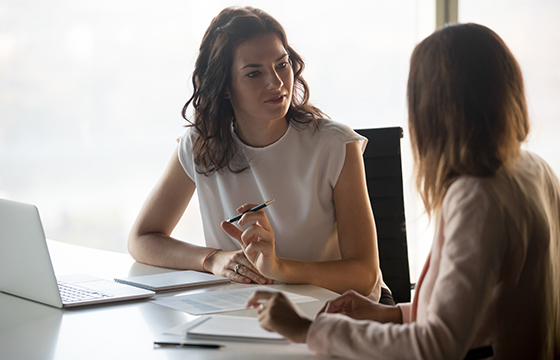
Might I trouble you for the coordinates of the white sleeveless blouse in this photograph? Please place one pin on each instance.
(299, 171)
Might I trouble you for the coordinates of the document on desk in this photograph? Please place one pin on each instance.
(219, 301)
(226, 327)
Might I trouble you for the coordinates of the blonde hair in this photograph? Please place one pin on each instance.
(466, 108)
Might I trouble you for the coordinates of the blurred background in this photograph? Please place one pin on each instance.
(91, 93)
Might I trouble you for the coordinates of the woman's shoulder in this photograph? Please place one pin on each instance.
(534, 164)
(334, 127)
(186, 143)
(480, 191)
(188, 137)
(528, 168)
(509, 187)
(190, 132)
(337, 130)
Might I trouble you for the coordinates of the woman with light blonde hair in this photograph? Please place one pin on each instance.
(490, 287)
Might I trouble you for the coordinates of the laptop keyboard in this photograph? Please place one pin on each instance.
(70, 293)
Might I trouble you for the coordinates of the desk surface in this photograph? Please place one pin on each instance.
(125, 330)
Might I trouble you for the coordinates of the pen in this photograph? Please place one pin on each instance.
(256, 208)
(183, 344)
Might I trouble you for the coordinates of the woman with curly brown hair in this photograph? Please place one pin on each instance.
(253, 136)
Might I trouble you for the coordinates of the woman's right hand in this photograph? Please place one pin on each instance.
(222, 263)
(359, 307)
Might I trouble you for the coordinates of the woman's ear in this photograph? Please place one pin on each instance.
(227, 94)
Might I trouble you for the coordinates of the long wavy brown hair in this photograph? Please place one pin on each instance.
(467, 113)
(214, 147)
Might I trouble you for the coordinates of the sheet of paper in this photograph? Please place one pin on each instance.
(219, 301)
(241, 328)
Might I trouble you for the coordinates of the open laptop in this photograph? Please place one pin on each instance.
(26, 269)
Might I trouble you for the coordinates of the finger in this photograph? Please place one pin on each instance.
(282, 297)
(256, 247)
(329, 308)
(255, 233)
(245, 207)
(247, 263)
(257, 277)
(242, 259)
(324, 308)
(232, 231)
(233, 276)
(335, 306)
(256, 216)
(258, 297)
(246, 272)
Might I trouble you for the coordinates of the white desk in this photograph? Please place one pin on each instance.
(125, 330)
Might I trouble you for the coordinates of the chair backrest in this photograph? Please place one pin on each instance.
(382, 160)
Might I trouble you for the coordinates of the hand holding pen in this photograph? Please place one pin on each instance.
(256, 208)
(257, 240)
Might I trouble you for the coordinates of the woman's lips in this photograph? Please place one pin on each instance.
(276, 99)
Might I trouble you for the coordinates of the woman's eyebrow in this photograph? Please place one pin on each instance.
(259, 65)
(281, 57)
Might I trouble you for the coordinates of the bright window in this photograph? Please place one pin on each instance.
(531, 30)
(91, 93)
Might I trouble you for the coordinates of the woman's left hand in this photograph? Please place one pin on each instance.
(257, 240)
(278, 313)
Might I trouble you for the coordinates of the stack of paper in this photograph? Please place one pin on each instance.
(219, 301)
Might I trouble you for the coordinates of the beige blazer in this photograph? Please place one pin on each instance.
(491, 280)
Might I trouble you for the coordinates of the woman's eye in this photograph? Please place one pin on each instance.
(283, 65)
(253, 74)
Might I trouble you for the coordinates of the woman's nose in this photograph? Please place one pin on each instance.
(274, 81)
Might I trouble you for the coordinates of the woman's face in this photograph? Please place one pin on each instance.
(261, 80)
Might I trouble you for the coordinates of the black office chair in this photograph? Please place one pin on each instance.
(382, 160)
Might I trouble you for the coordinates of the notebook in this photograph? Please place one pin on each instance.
(26, 269)
(175, 280)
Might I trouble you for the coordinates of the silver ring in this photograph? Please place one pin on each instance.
(236, 268)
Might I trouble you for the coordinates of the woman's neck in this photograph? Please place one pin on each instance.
(261, 134)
